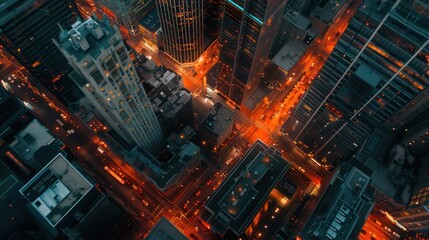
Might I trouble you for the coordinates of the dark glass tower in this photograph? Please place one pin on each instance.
(182, 29)
(126, 13)
(27, 30)
(377, 71)
(246, 35)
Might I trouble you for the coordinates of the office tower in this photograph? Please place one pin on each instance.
(416, 217)
(246, 35)
(126, 13)
(104, 72)
(376, 72)
(212, 17)
(241, 199)
(343, 209)
(182, 29)
(27, 28)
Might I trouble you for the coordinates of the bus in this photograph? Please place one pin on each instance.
(114, 175)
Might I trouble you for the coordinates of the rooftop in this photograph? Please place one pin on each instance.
(10, 107)
(166, 76)
(218, 119)
(297, 19)
(31, 139)
(239, 198)
(167, 104)
(151, 21)
(288, 55)
(162, 171)
(165, 230)
(327, 9)
(56, 189)
(88, 37)
(368, 76)
(344, 206)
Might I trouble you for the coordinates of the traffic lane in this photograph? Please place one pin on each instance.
(46, 115)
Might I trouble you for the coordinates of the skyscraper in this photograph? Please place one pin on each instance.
(246, 35)
(182, 29)
(377, 69)
(344, 207)
(125, 12)
(27, 27)
(105, 73)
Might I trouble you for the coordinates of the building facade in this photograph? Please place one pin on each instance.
(105, 73)
(125, 12)
(377, 69)
(27, 28)
(182, 29)
(246, 35)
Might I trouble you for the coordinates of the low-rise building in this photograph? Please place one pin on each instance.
(163, 75)
(35, 146)
(168, 169)
(216, 127)
(237, 201)
(326, 13)
(174, 109)
(165, 230)
(65, 202)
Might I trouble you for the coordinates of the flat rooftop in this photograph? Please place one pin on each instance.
(327, 9)
(288, 55)
(239, 198)
(297, 19)
(56, 189)
(218, 119)
(370, 77)
(151, 21)
(165, 230)
(31, 139)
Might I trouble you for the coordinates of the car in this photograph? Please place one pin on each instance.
(70, 131)
(396, 235)
(100, 150)
(196, 212)
(59, 122)
(387, 229)
(262, 117)
(185, 206)
(363, 231)
(274, 114)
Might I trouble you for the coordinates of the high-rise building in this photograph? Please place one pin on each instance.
(126, 13)
(27, 27)
(105, 73)
(241, 199)
(377, 69)
(345, 206)
(212, 17)
(416, 217)
(246, 36)
(182, 29)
